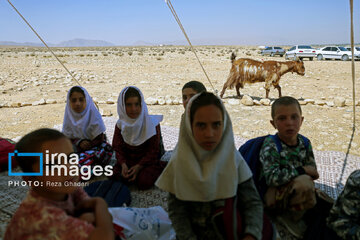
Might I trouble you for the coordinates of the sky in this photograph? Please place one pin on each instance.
(207, 22)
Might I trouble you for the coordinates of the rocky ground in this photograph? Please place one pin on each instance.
(33, 88)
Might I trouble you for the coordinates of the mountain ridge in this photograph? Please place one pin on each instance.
(77, 42)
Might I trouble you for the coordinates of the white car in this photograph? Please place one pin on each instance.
(333, 52)
(356, 52)
(300, 52)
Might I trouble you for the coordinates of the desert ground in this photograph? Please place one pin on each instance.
(33, 88)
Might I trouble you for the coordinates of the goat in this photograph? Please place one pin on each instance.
(246, 70)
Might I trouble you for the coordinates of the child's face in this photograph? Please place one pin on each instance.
(187, 93)
(77, 102)
(287, 120)
(55, 187)
(207, 126)
(133, 107)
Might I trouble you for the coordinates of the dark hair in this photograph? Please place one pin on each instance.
(32, 142)
(204, 99)
(132, 92)
(196, 86)
(76, 89)
(284, 101)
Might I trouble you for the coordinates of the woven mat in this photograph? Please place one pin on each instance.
(329, 164)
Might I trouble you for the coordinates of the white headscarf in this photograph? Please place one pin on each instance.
(136, 131)
(85, 125)
(194, 174)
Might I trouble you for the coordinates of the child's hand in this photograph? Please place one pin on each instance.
(103, 220)
(124, 170)
(311, 171)
(133, 172)
(88, 217)
(85, 145)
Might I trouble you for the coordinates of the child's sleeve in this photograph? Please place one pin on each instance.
(79, 195)
(275, 170)
(98, 140)
(153, 149)
(70, 228)
(344, 217)
(310, 160)
(251, 208)
(118, 145)
(180, 219)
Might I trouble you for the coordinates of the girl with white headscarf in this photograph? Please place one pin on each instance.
(206, 173)
(84, 126)
(137, 140)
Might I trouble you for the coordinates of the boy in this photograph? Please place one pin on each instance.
(289, 174)
(344, 217)
(190, 89)
(50, 209)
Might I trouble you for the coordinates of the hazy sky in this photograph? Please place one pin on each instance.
(125, 22)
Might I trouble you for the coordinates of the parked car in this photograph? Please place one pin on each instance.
(300, 52)
(356, 52)
(333, 52)
(272, 51)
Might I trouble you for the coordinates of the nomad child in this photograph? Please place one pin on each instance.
(55, 209)
(137, 140)
(83, 124)
(206, 175)
(190, 89)
(289, 174)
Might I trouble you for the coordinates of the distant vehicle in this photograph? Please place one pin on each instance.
(272, 51)
(333, 52)
(356, 51)
(300, 52)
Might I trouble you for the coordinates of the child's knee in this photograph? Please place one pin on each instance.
(145, 179)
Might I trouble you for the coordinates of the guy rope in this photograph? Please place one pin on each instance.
(62, 64)
(168, 2)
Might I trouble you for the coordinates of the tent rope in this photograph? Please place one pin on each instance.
(168, 2)
(44, 42)
(67, 70)
(353, 94)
